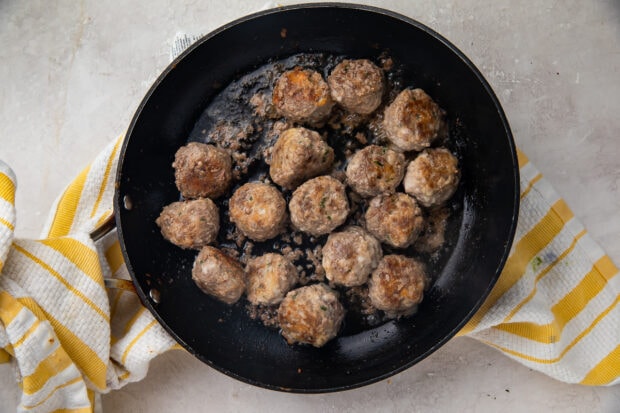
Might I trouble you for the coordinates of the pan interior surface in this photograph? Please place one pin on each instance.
(224, 336)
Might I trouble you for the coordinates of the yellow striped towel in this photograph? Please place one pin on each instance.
(554, 308)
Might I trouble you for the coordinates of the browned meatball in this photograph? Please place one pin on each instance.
(375, 170)
(350, 256)
(432, 177)
(202, 170)
(190, 224)
(394, 219)
(218, 275)
(319, 206)
(397, 285)
(268, 278)
(413, 120)
(357, 85)
(258, 210)
(311, 315)
(297, 155)
(301, 95)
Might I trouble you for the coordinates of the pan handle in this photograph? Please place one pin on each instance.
(101, 231)
(104, 229)
(119, 284)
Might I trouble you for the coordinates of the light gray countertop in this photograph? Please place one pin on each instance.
(73, 73)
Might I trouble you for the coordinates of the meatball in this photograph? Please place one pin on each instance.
(202, 170)
(190, 224)
(357, 85)
(218, 275)
(319, 205)
(397, 285)
(350, 256)
(297, 155)
(413, 120)
(301, 95)
(432, 177)
(258, 210)
(375, 170)
(268, 278)
(311, 315)
(394, 219)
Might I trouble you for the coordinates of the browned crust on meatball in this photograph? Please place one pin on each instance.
(413, 120)
(218, 275)
(301, 95)
(268, 279)
(394, 219)
(202, 170)
(432, 177)
(297, 155)
(311, 315)
(357, 85)
(190, 224)
(258, 210)
(319, 206)
(350, 256)
(374, 170)
(397, 285)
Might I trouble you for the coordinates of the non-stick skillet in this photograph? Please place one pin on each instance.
(225, 337)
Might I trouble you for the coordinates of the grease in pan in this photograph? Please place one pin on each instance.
(303, 167)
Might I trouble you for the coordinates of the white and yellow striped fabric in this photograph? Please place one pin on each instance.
(68, 337)
(555, 305)
(554, 308)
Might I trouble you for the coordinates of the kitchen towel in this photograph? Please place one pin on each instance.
(68, 337)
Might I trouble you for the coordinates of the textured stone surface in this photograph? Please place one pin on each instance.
(73, 72)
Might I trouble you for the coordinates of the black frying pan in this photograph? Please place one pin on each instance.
(225, 337)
